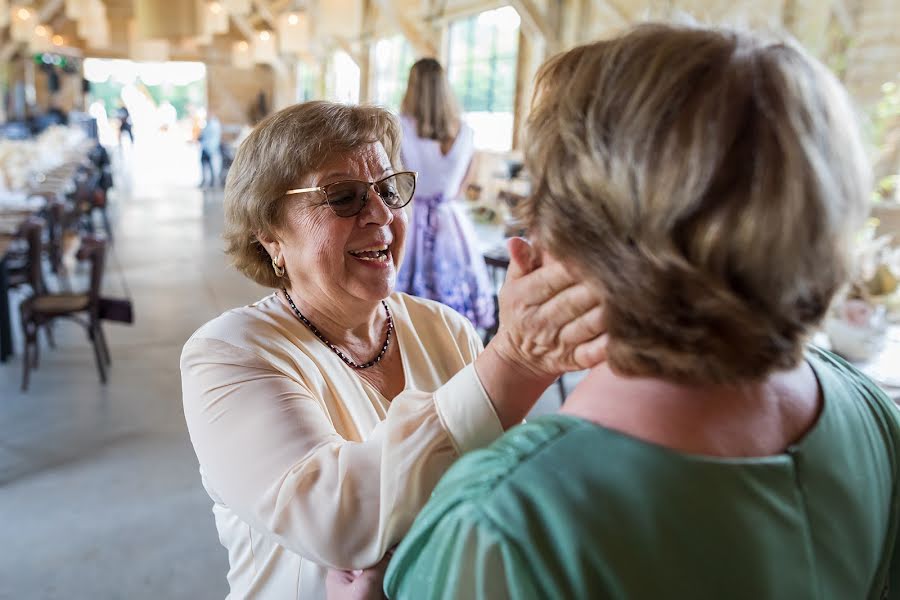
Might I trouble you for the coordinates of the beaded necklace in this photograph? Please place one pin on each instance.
(343, 357)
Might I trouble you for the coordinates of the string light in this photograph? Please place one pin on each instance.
(58, 40)
(264, 36)
(41, 31)
(293, 19)
(215, 8)
(23, 13)
(243, 46)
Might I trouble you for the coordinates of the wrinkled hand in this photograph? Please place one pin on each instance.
(551, 322)
(363, 584)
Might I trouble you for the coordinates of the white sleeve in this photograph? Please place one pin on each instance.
(270, 451)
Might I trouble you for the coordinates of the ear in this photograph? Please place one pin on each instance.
(270, 243)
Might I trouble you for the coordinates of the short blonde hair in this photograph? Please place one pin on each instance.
(709, 182)
(280, 151)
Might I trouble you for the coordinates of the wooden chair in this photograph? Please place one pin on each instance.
(42, 309)
(25, 267)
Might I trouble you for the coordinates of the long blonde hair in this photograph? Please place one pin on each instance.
(430, 101)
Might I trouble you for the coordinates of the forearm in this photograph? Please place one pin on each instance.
(512, 388)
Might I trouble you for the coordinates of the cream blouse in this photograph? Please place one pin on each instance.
(307, 464)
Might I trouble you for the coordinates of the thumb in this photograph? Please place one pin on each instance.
(522, 258)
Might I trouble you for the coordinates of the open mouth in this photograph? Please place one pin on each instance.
(379, 253)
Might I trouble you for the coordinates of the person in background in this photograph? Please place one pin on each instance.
(125, 123)
(210, 152)
(55, 115)
(709, 183)
(443, 261)
(323, 414)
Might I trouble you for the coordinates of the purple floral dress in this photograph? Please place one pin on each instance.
(442, 260)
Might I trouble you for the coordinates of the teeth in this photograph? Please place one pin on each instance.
(379, 248)
(376, 258)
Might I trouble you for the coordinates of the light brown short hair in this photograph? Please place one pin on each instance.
(280, 151)
(709, 181)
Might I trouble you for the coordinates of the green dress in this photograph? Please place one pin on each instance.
(563, 508)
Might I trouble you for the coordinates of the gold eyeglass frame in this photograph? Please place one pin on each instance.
(371, 184)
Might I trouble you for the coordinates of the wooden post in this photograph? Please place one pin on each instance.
(364, 60)
(529, 59)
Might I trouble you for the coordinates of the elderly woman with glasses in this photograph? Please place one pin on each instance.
(323, 414)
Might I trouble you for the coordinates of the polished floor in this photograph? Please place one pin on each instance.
(100, 496)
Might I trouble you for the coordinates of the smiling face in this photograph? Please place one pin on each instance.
(346, 261)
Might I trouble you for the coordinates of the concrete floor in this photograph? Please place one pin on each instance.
(99, 491)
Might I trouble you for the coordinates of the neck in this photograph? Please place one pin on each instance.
(742, 419)
(344, 323)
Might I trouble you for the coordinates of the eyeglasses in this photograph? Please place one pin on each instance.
(348, 198)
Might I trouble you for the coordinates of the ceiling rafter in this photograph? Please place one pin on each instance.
(534, 21)
(844, 16)
(414, 34)
(264, 10)
(46, 13)
(249, 32)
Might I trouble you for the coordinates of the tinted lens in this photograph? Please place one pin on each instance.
(397, 190)
(346, 198)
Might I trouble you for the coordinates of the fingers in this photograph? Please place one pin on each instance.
(541, 284)
(591, 353)
(585, 327)
(337, 576)
(568, 305)
(521, 258)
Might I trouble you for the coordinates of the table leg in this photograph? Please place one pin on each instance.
(6, 348)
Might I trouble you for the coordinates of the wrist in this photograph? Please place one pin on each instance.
(512, 386)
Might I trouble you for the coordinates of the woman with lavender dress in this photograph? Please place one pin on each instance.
(442, 260)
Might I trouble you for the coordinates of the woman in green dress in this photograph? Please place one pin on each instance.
(709, 182)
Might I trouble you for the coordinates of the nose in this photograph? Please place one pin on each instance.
(375, 211)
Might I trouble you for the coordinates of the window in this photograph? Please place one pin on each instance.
(483, 50)
(344, 79)
(392, 61)
(306, 82)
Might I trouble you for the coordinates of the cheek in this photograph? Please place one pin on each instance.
(400, 225)
(316, 240)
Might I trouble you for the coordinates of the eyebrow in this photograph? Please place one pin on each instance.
(385, 171)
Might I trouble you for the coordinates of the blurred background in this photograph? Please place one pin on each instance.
(120, 119)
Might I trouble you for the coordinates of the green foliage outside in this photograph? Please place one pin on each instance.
(482, 66)
(179, 96)
(885, 125)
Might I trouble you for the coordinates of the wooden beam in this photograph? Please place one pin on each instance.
(423, 47)
(45, 14)
(250, 33)
(417, 39)
(844, 16)
(442, 15)
(265, 12)
(243, 25)
(619, 10)
(534, 22)
(366, 72)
